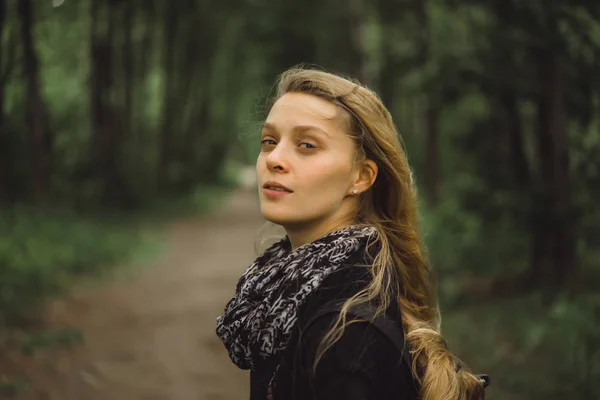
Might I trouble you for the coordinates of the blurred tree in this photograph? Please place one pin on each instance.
(554, 231)
(104, 144)
(37, 112)
(389, 13)
(4, 161)
(545, 41)
(430, 109)
(521, 57)
(345, 23)
(496, 101)
(169, 104)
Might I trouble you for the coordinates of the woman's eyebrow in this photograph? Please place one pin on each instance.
(297, 129)
(268, 126)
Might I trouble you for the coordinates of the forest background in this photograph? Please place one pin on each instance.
(115, 113)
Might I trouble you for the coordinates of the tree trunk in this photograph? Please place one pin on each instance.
(433, 174)
(103, 117)
(357, 51)
(144, 53)
(521, 173)
(37, 113)
(128, 67)
(4, 161)
(513, 171)
(300, 43)
(96, 104)
(389, 13)
(554, 239)
(388, 81)
(169, 97)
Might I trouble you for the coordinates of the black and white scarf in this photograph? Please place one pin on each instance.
(259, 319)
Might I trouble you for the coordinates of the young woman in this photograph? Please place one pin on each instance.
(343, 306)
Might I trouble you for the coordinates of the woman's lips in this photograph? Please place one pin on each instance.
(275, 193)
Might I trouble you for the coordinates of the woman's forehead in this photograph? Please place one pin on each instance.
(301, 105)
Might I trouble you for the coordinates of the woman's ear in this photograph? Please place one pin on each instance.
(367, 173)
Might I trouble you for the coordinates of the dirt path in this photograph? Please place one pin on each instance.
(154, 338)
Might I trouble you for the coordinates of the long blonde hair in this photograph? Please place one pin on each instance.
(400, 271)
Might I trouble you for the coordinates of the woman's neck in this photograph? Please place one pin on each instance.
(300, 236)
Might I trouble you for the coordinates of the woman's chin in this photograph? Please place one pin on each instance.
(279, 217)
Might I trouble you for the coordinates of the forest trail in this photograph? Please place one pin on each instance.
(154, 337)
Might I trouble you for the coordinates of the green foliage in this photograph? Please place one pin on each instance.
(51, 339)
(145, 119)
(41, 251)
(529, 349)
(573, 329)
(460, 241)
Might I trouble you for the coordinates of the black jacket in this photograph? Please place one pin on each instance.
(364, 364)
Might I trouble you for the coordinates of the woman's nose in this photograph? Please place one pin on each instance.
(276, 160)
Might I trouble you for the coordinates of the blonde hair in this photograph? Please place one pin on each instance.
(400, 270)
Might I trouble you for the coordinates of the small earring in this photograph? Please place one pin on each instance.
(354, 191)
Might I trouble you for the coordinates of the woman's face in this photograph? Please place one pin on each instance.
(305, 169)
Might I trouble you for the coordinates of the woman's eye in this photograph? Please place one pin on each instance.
(308, 145)
(268, 142)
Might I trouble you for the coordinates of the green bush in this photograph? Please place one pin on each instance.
(41, 251)
(461, 241)
(530, 349)
(573, 332)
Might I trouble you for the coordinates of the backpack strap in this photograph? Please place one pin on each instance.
(366, 311)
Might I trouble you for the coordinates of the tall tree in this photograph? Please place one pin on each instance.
(298, 44)
(169, 62)
(37, 112)
(4, 161)
(389, 12)
(554, 254)
(128, 65)
(356, 11)
(433, 174)
(341, 47)
(107, 128)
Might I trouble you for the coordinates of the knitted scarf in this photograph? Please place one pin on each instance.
(258, 321)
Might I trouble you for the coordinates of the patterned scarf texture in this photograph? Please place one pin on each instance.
(259, 319)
